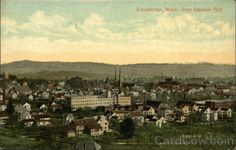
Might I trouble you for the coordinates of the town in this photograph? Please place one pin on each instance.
(74, 112)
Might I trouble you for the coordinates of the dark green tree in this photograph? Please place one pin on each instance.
(127, 128)
(52, 138)
(66, 107)
(10, 108)
(114, 124)
(148, 86)
(194, 117)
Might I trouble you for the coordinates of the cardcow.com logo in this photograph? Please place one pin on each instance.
(206, 139)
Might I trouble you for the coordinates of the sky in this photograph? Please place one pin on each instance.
(118, 31)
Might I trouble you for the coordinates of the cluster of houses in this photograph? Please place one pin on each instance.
(125, 100)
(217, 110)
(30, 117)
(94, 126)
(3, 106)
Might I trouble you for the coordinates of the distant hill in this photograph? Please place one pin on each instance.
(89, 70)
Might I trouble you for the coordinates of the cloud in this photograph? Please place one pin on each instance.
(40, 19)
(41, 25)
(95, 27)
(39, 22)
(5, 21)
(93, 20)
(8, 25)
(183, 27)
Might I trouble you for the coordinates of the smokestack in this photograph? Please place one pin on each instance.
(115, 75)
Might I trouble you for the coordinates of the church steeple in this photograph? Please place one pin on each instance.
(119, 81)
(115, 75)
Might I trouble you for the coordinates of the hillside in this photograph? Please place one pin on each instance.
(60, 70)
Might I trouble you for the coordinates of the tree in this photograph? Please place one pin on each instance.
(52, 137)
(194, 117)
(66, 107)
(127, 128)
(148, 86)
(12, 77)
(10, 108)
(114, 124)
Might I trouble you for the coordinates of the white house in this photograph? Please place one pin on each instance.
(23, 113)
(43, 120)
(69, 118)
(28, 122)
(148, 111)
(103, 122)
(14, 96)
(225, 113)
(229, 113)
(206, 114)
(3, 107)
(43, 107)
(194, 107)
(31, 98)
(27, 106)
(186, 110)
(119, 114)
(181, 119)
(45, 95)
(160, 121)
(62, 84)
(216, 113)
(164, 112)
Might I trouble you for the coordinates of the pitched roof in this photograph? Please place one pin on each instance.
(88, 145)
(205, 108)
(147, 108)
(151, 117)
(225, 109)
(181, 103)
(153, 103)
(22, 88)
(89, 123)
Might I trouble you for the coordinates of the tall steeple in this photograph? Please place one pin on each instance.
(119, 81)
(115, 75)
